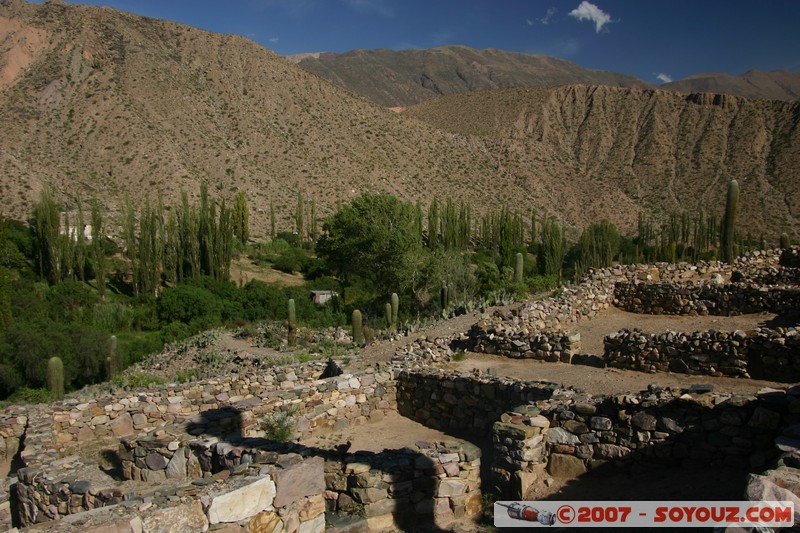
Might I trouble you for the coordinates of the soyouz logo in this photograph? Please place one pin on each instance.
(643, 514)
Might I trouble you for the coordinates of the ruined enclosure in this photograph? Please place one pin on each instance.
(197, 454)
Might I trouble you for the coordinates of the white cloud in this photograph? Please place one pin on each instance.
(548, 16)
(546, 19)
(589, 11)
(663, 78)
(379, 7)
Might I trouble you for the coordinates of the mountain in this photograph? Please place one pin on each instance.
(401, 78)
(102, 103)
(774, 85)
(600, 152)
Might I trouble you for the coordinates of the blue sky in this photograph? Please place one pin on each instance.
(653, 40)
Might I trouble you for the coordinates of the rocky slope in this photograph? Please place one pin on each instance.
(600, 152)
(401, 78)
(774, 85)
(105, 104)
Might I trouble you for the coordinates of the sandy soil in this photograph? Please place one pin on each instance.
(391, 432)
(244, 270)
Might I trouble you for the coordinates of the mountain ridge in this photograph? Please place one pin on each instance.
(112, 104)
(407, 77)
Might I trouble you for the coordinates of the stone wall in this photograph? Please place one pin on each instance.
(762, 353)
(226, 410)
(703, 298)
(430, 483)
(463, 402)
(520, 455)
(668, 427)
(320, 404)
(287, 495)
(537, 329)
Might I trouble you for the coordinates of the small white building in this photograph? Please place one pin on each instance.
(322, 297)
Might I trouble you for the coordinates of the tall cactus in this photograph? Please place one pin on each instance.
(444, 296)
(112, 363)
(726, 237)
(519, 263)
(358, 329)
(388, 311)
(292, 324)
(55, 378)
(395, 310)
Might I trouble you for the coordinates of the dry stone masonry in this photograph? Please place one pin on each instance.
(195, 456)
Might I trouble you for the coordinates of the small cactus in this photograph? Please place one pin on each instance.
(55, 378)
(292, 324)
(519, 262)
(444, 297)
(395, 309)
(784, 243)
(358, 330)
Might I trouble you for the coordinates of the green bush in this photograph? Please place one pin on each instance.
(186, 303)
(175, 331)
(112, 316)
(28, 395)
(279, 426)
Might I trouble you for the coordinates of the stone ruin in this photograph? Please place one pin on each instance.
(195, 457)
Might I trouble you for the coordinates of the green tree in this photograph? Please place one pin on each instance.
(298, 216)
(241, 218)
(96, 249)
(552, 249)
(374, 237)
(47, 224)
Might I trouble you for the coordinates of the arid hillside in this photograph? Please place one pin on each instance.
(774, 85)
(602, 152)
(401, 78)
(101, 103)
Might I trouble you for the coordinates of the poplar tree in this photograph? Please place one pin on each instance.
(433, 224)
(298, 215)
(241, 218)
(47, 237)
(96, 249)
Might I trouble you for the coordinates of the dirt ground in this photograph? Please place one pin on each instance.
(642, 482)
(390, 433)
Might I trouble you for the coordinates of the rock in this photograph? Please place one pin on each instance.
(760, 489)
(156, 461)
(561, 436)
(176, 469)
(611, 451)
(316, 525)
(139, 420)
(187, 517)
(256, 496)
(601, 423)
(122, 426)
(266, 522)
(764, 419)
(300, 480)
(451, 487)
(565, 466)
(644, 421)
